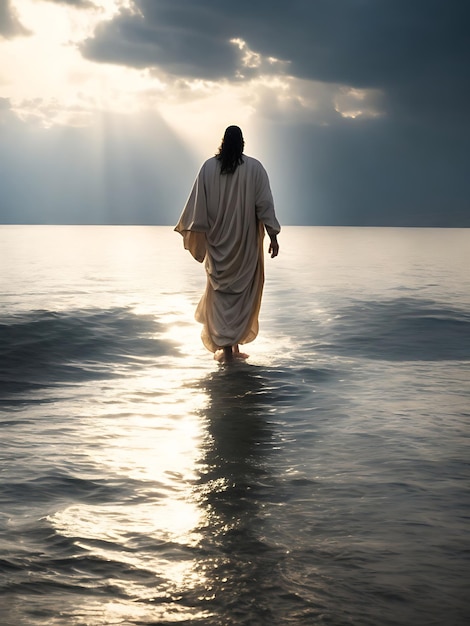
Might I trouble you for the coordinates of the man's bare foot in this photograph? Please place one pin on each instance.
(228, 353)
(224, 355)
(219, 356)
(239, 355)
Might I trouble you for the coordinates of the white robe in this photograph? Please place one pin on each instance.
(223, 223)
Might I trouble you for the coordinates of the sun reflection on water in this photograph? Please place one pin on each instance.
(178, 442)
(144, 438)
(184, 464)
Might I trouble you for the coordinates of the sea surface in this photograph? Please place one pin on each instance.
(325, 481)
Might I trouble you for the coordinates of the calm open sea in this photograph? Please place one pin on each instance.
(323, 482)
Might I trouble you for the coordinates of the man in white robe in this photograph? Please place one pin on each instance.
(223, 224)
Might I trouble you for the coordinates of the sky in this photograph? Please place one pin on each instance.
(358, 109)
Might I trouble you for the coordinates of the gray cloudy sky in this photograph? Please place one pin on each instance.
(357, 108)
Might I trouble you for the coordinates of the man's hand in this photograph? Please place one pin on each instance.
(273, 246)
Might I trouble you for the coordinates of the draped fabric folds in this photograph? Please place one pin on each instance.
(223, 224)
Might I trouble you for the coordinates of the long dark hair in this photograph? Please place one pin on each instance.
(231, 150)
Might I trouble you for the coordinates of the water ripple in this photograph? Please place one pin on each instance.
(403, 329)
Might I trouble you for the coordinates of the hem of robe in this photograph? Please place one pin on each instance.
(251, 329)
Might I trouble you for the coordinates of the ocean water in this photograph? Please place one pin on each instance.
(323, 482)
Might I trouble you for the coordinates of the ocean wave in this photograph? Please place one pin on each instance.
(46, 348)
(402, 329)
(66, 488)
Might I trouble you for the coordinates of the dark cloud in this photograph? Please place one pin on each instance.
(416, 51)
(10, 26)
(165, 36)
(366, 43)
(407, 167)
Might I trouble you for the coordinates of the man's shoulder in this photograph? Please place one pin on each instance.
(211, 160)
(208, 167)
(254, 166)
(252, 162)
(210, 163)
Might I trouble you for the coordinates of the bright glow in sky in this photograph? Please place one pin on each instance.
(46, 77)
(48, 80)
(154, 83)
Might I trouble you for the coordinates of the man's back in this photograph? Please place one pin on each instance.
(223, 221)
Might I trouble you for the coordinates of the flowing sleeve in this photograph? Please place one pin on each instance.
(264, 202)
(193, 223)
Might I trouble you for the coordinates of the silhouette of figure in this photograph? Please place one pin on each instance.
(223, 223)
